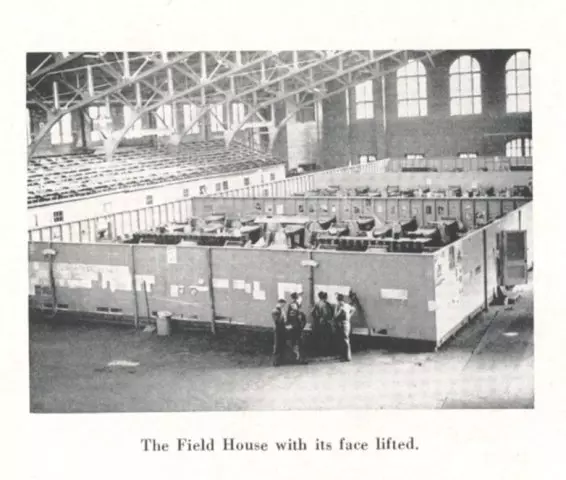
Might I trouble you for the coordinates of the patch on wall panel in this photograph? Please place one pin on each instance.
(431, 305)
(394, 294)
(238, 284)
(279, 209)
(259, 295)
(197, 288)
(171, 254)
(220, 283)
(174, 290)
(110, 277)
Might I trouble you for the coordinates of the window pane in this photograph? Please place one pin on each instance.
(477, 105)
(455, 106)
(511, 104)
(369, 110)
(466, 106)
(360, 110)
(422, 87)
(424, 110)
(412, 87)
(411, 68)
(401, 89)
(402, 109)
(466, 85)
(523, 103)
(454, 85)
(56, 134)
(523, 81)
(511, 63)
(528, 147)
(477, 84)
(523, 61)
(412, 108)
(511, 82)
(475, 65)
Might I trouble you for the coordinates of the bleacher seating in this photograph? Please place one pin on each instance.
(80, 175)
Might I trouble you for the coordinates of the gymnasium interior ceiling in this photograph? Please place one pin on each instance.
(59, 83)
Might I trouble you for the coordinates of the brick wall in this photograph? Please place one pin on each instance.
(437, 134)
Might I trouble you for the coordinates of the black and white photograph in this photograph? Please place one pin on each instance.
(280, 230)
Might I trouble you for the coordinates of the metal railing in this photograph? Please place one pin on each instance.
(122, 224)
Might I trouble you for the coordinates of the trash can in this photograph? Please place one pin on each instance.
(163, 323)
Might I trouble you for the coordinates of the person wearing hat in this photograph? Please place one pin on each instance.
(342, 315)
(323, 331)
(296, 321)
(279, 332)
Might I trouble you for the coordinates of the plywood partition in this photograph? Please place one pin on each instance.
(411, 296)
(470, 211)
(492, 164)
(466, 271)
(442, 180)
(395, 290)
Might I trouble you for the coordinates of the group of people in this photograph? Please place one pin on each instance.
(330, 328)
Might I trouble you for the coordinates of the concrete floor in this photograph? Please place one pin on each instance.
(489, 364)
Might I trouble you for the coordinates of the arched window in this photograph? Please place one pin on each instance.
(465, 86)
(364, 100)
(518, 82)
(411, 90)
(217, 118)
(519, 147)
(62, 131)
(190, 113)
(97, 113)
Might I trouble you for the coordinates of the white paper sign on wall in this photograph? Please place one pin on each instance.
(171, 254)
(394, 294)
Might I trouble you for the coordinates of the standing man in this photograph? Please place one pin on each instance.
(279, 333)
(296, 321)
(342, 316)
(323, 330)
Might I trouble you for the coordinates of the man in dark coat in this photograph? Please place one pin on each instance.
(296, 321)
(323, 329)
(279, 332)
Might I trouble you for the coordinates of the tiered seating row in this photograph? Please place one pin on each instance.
(80, 175)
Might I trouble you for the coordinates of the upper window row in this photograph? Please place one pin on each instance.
(465, 88)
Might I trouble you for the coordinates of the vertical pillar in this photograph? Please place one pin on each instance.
(211, 291)
(90, 82)
(126, 59)
(134, 291)
(83, 129)
(384, 117)
(311, 283)
(484, 248)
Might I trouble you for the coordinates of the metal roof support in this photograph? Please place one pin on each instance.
(185, 93)
(88, 99)
(54, 66)
(319, 81)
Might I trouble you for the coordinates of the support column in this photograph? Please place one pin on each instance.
(134, 291)
(211, 291)
(83, 130)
